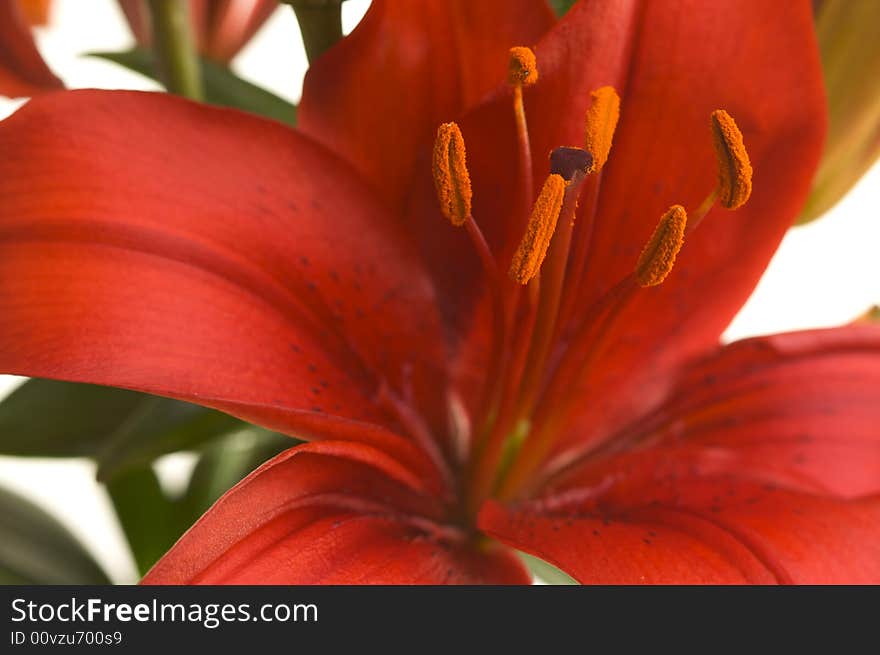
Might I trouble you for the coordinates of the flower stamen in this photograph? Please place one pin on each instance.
(532, 249)
(523, 71)
(589, 345)
(601, 124)
(523, 68)
(451, 177)
(734, 167)
(659, 254)
(572, 164)
(602, 117)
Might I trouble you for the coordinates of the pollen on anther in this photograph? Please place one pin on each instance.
(451, 178)
(659, 254)
(602, 117)
(523, 67)
(734, 167)
(532, 249)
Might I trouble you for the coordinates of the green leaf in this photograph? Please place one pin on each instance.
(225, 463)
(561, 6)
(37, 549)
(121, 429)
(158, 426)
(46, 418)
(222, 87)
(546, 571)
(146, 514)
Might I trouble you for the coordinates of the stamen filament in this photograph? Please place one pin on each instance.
(525, 151)
(500, 320)
(652, 268)
(551, 416)
(582, 238)
(601, 124)
(415, 425)
(696, 217)
(523, 71)
(482, 476)
(552, 281)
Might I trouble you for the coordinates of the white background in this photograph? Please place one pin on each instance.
(824, 274)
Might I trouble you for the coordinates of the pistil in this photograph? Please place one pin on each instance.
(572, 164)
(600, 125)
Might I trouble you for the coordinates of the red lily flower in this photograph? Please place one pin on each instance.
(198, 253)
(22, 69)
(221, 29)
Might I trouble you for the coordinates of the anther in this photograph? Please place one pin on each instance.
(602, 119)
(566, 162)
(734, 168)
(533, 248)
(659, 254)
(451, 178)
(523, 67)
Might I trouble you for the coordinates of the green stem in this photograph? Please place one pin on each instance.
(176, 55)
(320, 22)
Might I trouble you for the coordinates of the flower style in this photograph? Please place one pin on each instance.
(509, 368)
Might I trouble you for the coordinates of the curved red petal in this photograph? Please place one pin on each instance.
(798, 409)
(160, 245)
(769, 448)
(712, 531)
(334, 517)
(22, 69)
(595, 550)
(757, 60)
(378, 96)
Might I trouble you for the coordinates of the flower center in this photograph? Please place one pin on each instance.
(543, 344)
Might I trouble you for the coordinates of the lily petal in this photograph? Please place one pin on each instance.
(327, 514)
(377, 97)
(767, 457)
(709, 532)
(759, 61)
(163, 246)
(798, 409)
(22, 69)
